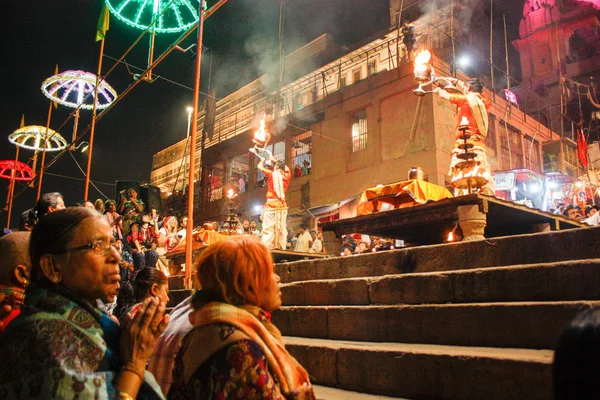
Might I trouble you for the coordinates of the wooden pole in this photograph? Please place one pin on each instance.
(190, 206)
(11, 190)
(491, 48)
(39, 189)
(506, 51)
(93, 127)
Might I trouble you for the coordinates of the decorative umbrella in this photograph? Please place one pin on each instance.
(34, 137)
(15, 171)
(22, 171)
(75, 89)
(178, 15)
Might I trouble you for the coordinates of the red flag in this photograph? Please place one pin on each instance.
(582, 148)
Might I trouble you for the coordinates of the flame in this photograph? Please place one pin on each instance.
(422, 62)
(230, 193)
(261, 134)
(422, 58)
(475, 171)
(464, 121)
(450, 236)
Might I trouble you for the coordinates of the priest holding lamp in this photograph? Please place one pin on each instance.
(473, 121)
(274, 233)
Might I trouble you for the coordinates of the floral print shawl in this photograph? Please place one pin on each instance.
(62, 348)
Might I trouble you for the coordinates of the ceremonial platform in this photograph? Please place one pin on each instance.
(177, 257)
(477, 215)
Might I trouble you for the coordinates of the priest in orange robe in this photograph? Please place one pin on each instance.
(274, 232)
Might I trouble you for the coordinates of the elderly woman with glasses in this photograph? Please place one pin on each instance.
(63, 345)
(233, 350)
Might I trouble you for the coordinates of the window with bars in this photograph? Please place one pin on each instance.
(238, 176)
(278, 151)
(215, 179)
(511, 146)
(532, 155)
(372, 67)
(358, 130)
(490, 140)
(301, 154)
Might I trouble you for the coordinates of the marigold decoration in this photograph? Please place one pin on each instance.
(75, 89)
(178, 15)
(22, 172)
(34, 137)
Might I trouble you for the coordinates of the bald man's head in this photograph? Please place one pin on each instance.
(15, 265)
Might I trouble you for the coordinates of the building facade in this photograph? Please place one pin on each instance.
(350, 123)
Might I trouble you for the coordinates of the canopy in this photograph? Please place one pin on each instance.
(76, 89)
(179, 16)
(33, 137)
(23, 172)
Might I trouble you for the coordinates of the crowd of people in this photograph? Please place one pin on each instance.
(64, 336)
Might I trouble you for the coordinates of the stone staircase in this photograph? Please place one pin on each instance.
(475, 320)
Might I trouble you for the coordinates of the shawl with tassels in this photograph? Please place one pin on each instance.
(254, 323)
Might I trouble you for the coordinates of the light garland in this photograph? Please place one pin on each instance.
(33, 137)
(23, 172)
(179, 16)
(76, 89)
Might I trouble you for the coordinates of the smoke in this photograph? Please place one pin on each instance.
(434, 10)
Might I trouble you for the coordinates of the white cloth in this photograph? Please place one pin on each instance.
(302, 245)
(594, 220)
(317, 247)
(182, 233)
(274, 233)
(278, 184)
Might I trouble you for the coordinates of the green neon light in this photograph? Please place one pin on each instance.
(179, 16)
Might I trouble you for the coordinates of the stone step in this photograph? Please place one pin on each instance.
(176, 282)
(567, 280)
(328, 393)
(177, 296)
(532, 325)
(547, 247)
(419, 371)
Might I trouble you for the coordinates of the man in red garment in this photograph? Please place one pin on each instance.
(274, 233)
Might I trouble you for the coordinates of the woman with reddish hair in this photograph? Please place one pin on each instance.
(234, 351)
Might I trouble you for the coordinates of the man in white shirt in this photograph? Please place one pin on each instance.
(317, 245)
(304, 240)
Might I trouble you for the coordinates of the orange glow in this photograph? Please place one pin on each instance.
(422, 60)
(261, 134)
(450, 236)
(475, 171)
(231, 194)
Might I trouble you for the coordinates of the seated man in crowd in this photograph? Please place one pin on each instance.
(15, 269)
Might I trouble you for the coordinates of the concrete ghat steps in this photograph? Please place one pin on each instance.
(532, 325)
(547, 247)
(420, 371)
(328, 393)
(567, 280)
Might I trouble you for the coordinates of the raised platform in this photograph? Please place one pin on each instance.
(430, 223)
(279, 256)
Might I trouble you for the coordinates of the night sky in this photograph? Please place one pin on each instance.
(242, 41)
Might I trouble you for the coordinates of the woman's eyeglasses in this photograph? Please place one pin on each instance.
(99, 246)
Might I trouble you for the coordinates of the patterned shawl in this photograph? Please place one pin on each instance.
(60, 347)
(254, 323)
